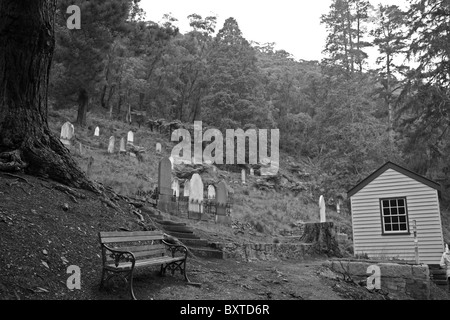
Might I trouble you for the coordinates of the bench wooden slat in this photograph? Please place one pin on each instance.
(131, 239)
(135, 249)
(146, 262)
(107, 234)
(140, 254)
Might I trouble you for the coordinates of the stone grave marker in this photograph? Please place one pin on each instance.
(171, 161)
(158, 147)
(186, 188)
(196, 197)
(67, 132)
(112, 141)
(243, 176)
(252, 172)
(164, 184)
(322, 209)
(130, 137)
(176, 188)
(97, 131)
(211, 192)
(222, 201)
(122, 146)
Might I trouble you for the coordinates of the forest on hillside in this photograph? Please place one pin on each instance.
(346, 116)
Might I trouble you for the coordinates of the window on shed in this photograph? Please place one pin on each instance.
(394, 216)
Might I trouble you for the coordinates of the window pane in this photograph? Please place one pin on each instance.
(395, 227)
(395, 219)
(387, 227)
(393, 203)
(402, 218)
(386, 212)
(403, 226)
(401, 202)
(393, 211)
(385, 203)
(387, 220)
(401, 210)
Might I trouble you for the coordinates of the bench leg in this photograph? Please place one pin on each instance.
(102, 279)
(130, 275)
(184, 272)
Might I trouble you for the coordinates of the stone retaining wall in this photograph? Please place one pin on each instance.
(402, 281)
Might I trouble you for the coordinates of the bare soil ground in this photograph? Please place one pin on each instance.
(40, 238)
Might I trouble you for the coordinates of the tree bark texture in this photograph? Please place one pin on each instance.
(27, 43)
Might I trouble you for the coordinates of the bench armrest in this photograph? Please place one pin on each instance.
(118, 255)
(176, 247)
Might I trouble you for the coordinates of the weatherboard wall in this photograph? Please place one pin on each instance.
(422, 205)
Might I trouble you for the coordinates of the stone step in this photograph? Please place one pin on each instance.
(206, 252)
(170, 223)
(176, 228)
(195, 242)
(182, 235)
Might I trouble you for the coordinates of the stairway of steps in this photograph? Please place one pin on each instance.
(186, 235)
(438, 276)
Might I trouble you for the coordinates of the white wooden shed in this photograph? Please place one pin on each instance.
(384, 207)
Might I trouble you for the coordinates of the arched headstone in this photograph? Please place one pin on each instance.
(130, 137)
(67, 132)
(158, 147)
(211, 192)
(97, 131)
(196, 197)
(122, 145)
(252, 172)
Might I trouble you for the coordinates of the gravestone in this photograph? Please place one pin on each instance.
(171, 161)
(243, 176)
(338, 207)
(211, 192)
(186, 188)
(122, 146)
(176, 188)
(112, 141)
(158, 147)
(221, 202)
(164, 185)
(130, 137)
(252, 172)
(67, 132)
(322, 209)
(196, 197)
(97, 131)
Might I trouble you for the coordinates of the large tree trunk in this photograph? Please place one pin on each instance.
(83, 100)
(27, 42)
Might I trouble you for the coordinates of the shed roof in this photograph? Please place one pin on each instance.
(396, 167)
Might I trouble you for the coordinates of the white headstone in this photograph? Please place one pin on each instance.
(243, 176)
(252, 172)
(322, 209)
(97, 131)
(446, 248)
(196, 194)
(338, 207)
(112, 140)
(122, 145)
(186, 188)
(130, 137)
(158, 147)
(171, 161)
(211, 192)
(67, 132)
(176, 188)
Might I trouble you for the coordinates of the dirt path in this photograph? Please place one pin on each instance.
(236, 280)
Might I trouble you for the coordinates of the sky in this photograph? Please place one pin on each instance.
(294, 25)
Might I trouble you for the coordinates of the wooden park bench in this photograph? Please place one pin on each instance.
(124, 251)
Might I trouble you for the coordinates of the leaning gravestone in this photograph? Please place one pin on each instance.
(122, 146)
(130, 137)
(164, 185)
(221, 202)
(322, 209)
(195, 197)
(186, 188)
(67, 132)
(158, 147)
(176, 188)
(112, 141)
(211, 192)
(97, 131)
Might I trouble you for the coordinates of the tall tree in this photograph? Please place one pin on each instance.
(27, 42)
